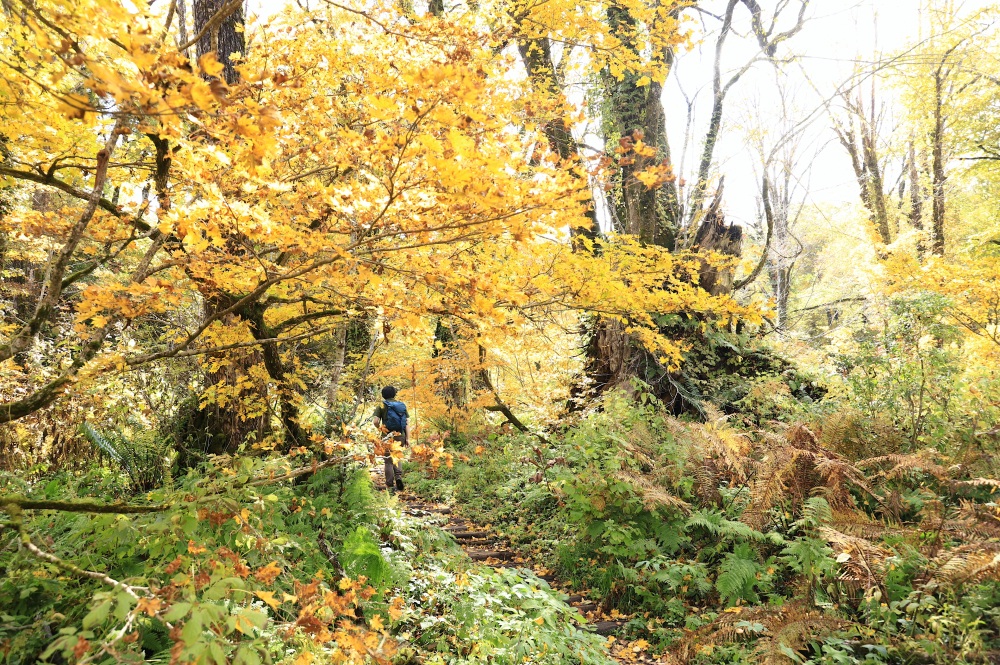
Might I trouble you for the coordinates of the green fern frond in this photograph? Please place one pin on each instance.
(99, 440)
(361, 557)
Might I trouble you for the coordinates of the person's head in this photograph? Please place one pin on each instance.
(388, 392)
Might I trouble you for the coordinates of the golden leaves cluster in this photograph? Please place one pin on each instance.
(391, 173)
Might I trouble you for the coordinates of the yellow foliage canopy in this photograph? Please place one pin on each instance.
(352, 171)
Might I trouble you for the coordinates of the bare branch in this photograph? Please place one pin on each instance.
(769, 217)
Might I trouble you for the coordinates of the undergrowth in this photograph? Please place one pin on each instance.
(732, 546)
(241, 569)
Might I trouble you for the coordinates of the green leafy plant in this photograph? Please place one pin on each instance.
(143, 458)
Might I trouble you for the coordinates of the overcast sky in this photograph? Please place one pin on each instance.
(837, 37)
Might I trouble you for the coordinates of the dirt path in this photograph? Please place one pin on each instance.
(491, 549)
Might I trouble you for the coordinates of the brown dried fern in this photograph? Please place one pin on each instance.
(791, 625)
(653, 496)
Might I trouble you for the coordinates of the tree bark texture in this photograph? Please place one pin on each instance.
(635, 112)
(938, 175)
(714, 235)
(292, 432)
(225, 39)
(225, 424)
(339, 359)
(916, 195)
(536, 54)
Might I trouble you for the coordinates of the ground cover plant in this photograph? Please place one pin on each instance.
(728, 545)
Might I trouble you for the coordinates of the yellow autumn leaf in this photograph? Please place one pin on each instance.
(268, 597)
(396, 609)
(210, 65)
(201, 95)
(243, 624)
(75, 106)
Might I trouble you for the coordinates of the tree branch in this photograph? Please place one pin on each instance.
(500, 406)
(79, 506)
(769, 217)
(24, 338)
(838, 301)
(224, 12)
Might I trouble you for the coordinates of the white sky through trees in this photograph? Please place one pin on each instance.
(838, 38)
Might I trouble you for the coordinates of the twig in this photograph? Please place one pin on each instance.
(17, 522)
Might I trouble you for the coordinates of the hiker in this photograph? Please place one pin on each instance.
(391, 416)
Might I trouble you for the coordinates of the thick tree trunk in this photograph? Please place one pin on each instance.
(636, 113)
(225, 39)
(292, 432)
(225, 421)
(225, 425)
(714, 235)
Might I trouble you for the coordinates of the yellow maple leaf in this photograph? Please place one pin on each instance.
(201, 95)
(210, 65)
(149, 605)
(396, 608)
(268, 573)
(75, 107)
(268, 597)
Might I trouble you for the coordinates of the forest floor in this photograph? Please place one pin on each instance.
(487, 547)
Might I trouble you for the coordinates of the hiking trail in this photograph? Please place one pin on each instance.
(489, 548)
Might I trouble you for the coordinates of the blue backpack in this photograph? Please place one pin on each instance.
(395, 416)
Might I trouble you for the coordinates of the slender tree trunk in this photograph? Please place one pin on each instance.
(780, 259)
(876, 184)
(859, 136)
(916, 198)
(339, 357)
(715, 120)
(182, 23)
(937, 170)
